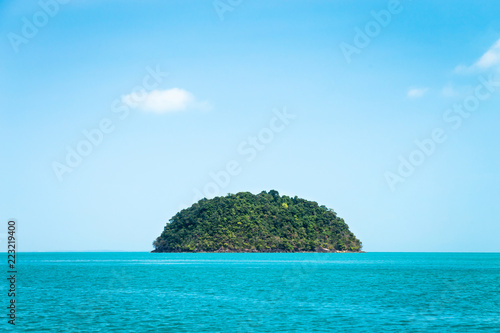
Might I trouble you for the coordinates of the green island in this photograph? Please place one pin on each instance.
(266, 222)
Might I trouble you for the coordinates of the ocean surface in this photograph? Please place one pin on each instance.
(304, 292)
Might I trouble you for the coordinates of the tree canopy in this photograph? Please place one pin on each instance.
(266, 222)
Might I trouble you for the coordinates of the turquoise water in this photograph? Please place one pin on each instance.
(143, 292)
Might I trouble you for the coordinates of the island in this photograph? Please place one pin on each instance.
(266, 222)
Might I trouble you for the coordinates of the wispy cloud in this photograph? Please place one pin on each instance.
(449, 91)
(416, 92)
(489, 60)
(163, 101)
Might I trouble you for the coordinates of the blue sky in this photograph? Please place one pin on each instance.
(226, 73)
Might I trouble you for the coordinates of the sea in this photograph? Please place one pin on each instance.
(255, 292)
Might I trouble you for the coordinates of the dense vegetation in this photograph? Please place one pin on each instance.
(266, 222)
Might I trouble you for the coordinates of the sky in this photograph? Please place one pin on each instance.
(114, 115)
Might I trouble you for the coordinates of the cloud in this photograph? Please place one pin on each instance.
(489, 60)
(416, 92)
(163, 101)
(449, 91)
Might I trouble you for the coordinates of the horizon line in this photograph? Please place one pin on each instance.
(124, 251)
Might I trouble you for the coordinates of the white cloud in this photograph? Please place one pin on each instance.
(449, 91)
(416, 92)
(462, 69)
(162, 101)
(489, 60)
